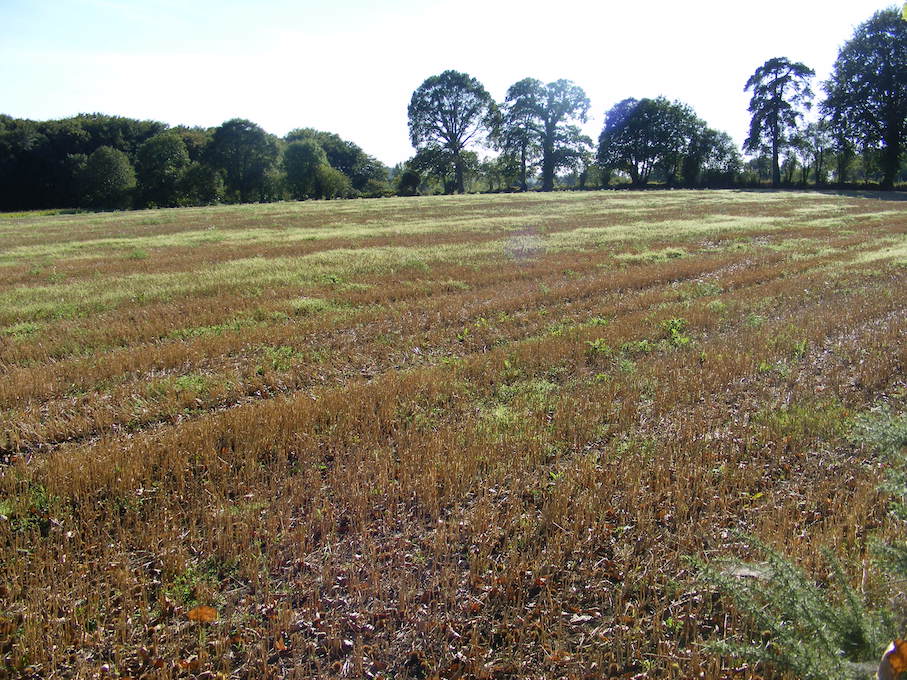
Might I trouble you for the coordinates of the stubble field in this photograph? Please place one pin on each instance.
(475, 436)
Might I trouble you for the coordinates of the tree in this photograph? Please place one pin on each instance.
(640, 136)
(712, 159)
(536, 123)
(520, 126)
(408, 183)
(813, 145)
(160, 164)
(867, 91)
(331, 183)
(124, 134)
(562, 144)
(202, 185)
(677, 128)
(107, 179)
(441, 165)
(301, 161)
(780, 88)
(245, 153)
(363, 170)
(448, 112)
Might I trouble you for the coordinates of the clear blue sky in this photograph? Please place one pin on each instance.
(350, 66)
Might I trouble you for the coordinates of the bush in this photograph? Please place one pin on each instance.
(331, 183)
(817, 633)
(408, 183)
(821, 633)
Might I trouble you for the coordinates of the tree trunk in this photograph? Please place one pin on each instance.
(776, 134)
(523, 167)
(458, 169)
(891, 157)
(548, 168)
(776, 168)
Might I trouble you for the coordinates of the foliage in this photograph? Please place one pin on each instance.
(442, 165)
(408, 183)
(562, 145)
(519, 130)
(642, 136)
(535, 127)
(301, 161)
(245, 153)
(42, 163)
(813, 147)
(501, 173)
(160, 165)
(344, 156)
(202, 185)
(886, 432)
(331, 183)
(712, 159)
(447, 113)
(821, 632)
(818, 633)
(867, 90)
(108, 179)
(780, 91)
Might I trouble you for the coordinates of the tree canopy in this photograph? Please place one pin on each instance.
(562, 144)
(160, 165)
(108, 178)
(655, 136)
(345, 156)
(449, 112)
(867, 91)
(301, 160)
(518, 135)
(244, 152)
(781, 91)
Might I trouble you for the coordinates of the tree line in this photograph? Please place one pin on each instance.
(99, 161)
(859, 136)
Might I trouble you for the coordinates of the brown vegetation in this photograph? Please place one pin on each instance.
(480, 444)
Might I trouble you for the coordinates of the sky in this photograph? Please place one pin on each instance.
(350, 66)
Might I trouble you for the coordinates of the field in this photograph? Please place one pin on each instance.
(468, 436)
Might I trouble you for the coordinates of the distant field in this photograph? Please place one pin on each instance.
(467, 436)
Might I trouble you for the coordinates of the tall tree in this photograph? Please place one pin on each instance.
(448, 112)
(676, 127)
(521, 125)
(245, 153)
(640, 136)
(867, 91)
(562, 144)
(780, 91)
(626, 142)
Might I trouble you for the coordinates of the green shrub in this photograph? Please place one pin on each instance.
(819, 633)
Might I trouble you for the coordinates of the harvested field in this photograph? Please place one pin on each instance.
(453, 437)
